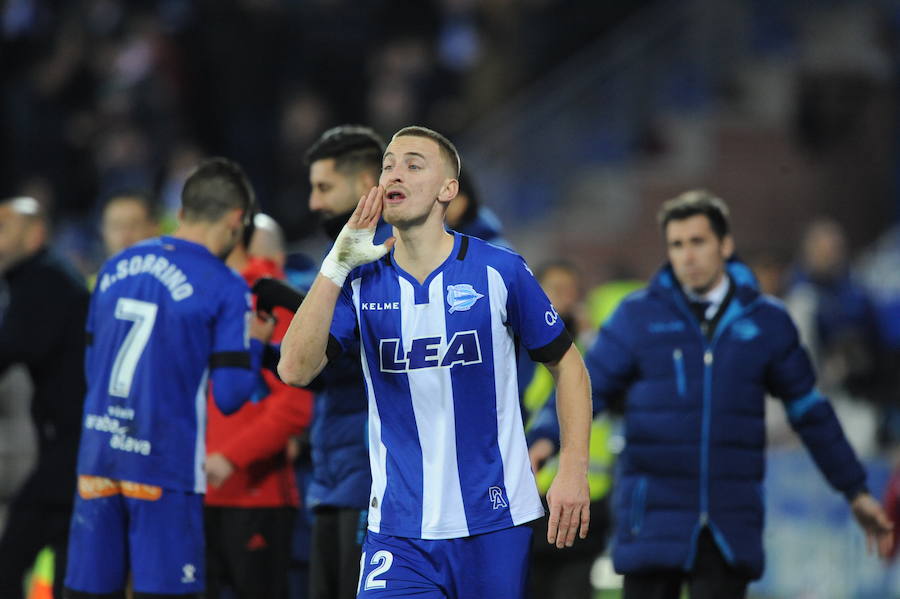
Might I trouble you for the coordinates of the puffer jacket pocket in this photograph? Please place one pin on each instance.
(638, 505)
(678, 361)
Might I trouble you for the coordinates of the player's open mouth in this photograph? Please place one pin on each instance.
(395, 196)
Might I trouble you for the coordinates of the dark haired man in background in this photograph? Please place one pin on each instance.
(344, 163)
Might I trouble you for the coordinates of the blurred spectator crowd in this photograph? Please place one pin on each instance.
(105, 95)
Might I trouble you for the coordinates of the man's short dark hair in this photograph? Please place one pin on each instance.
(214, 188)
(446, 146)
(141, 196)
(694, 202)
(352, 147)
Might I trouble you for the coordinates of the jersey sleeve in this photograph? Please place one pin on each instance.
(343, 324)
(533, 318)
(231, 332)
(235, 359)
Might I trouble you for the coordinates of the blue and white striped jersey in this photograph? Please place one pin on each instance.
(162, 313)
(446, 444)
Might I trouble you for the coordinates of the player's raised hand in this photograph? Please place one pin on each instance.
(569, 501)
(355, 243)
(368, 210)
(875, 523)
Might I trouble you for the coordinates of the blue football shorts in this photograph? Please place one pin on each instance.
(120, 527)
(491, 565)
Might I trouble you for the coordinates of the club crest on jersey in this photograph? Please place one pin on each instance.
(462, 297)
(189, 572)
(430, 352)
(497, 500)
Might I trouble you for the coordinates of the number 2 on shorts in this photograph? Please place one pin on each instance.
(384, 559)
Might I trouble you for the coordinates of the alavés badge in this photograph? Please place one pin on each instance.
(461, 297)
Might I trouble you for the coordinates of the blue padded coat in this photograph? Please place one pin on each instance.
(695, 421)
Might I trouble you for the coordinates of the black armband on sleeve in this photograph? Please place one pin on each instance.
(334, 349)
(230, 359)
(554, 350)
(272, 292)
(270, 357)
(316, 385)
(853, 493)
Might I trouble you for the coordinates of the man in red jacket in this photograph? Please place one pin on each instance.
(252, 493)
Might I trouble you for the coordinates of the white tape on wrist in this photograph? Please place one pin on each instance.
(352, 248)
(334, 270)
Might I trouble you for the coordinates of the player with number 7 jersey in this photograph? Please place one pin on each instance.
(167, 319)
(165, 312)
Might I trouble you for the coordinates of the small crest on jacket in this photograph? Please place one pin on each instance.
(745, 329)
(673, 326)
(462, 297)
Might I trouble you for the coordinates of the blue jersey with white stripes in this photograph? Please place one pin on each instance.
(446, 444)
(162, 312)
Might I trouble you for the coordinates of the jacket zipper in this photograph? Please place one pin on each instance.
(708, 347)
(681, 383)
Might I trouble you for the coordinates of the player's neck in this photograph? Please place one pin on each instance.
(238, 258)
(208, 235)
(419, 250)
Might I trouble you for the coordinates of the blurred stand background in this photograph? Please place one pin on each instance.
(575, 118)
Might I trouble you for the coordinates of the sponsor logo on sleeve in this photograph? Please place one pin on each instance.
(551, 316)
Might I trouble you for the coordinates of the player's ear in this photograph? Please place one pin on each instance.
(448, 191)
(234, 218)
(727, 246)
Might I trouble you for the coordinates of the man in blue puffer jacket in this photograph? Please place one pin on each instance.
(695, 354)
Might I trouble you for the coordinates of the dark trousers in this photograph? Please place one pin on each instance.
(566, 573)
(711, 578)
(29, 528)
(248, 551)
(335, 551)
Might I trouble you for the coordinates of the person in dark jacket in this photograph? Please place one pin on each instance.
(695, 354)
(467, 215)
(344, 163)
(42, 318)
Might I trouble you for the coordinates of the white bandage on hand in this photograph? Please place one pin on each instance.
(352, 248)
